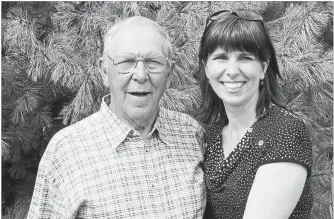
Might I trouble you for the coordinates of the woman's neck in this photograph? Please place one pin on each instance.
(241, 117)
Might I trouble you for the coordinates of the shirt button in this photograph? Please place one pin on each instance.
(152, 185)
(147, 150)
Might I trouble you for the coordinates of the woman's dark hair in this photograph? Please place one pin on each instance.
(233, 33)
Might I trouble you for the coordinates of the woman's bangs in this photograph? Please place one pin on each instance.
(236, 35)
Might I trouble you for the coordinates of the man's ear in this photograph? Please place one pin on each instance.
(170, 73)
(172, 68)
(103, 72)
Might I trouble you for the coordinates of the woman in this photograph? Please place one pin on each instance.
(259, 155)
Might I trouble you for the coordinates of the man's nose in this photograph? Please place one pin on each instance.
(139, 72)
(232, 68)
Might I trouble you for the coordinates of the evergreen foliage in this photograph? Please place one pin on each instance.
(50, 77)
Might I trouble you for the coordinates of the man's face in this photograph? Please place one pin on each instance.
(135, 95)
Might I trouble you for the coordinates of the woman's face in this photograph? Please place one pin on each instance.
(235, 76)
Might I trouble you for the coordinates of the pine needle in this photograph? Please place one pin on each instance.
(186, 101)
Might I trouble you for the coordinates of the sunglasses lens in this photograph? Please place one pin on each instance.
(217, 16)
(220, 15)
(249, 15)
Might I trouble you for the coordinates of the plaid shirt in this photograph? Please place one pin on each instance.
(101, 168)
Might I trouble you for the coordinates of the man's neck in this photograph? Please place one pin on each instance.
(142, 125)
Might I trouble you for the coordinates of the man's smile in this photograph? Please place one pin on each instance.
(139, 93)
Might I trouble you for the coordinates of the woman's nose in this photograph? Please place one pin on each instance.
(232, 68)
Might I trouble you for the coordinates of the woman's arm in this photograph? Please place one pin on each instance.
(276, 190)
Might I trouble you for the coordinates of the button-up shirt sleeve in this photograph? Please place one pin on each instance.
(48, 198)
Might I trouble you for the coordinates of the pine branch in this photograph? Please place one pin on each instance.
(307, 19)
(64, 65)
(5, 148)
(38, 68)
(82, 105)
(20, 31)
(186, 56)
(322, 173)
(259, 7)
(42, 117)
(20, 208)
(25, 104)
(180, 78)
(186, 101)
(304, 61)
(18, 172)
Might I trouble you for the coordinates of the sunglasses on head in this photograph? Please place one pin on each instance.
(247, 15)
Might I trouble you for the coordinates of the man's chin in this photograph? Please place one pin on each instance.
(141, 113)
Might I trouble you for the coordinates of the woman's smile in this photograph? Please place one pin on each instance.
(233, 86)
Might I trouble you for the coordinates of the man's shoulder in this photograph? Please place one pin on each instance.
(76, 132)
(70, 145)
(178, 118)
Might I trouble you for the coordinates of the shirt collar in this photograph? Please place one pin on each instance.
(164, 126)
(117, 130)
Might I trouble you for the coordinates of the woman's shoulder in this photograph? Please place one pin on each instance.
(283, 114)
(285, 120)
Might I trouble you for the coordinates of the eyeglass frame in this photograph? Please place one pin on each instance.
(141, 58)
(235, 13)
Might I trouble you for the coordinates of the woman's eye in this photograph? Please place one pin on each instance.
(246, 58)
(221, 57)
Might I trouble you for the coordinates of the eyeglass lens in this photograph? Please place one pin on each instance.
(126, 62)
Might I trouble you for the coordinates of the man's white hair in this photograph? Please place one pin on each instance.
(167, 45)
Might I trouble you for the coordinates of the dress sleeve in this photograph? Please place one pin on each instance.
(289, 142)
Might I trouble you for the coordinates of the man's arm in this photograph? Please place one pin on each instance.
(48, 199)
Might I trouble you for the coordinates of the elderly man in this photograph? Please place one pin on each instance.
(131, 159)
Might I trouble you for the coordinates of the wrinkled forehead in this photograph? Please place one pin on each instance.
(137, 36)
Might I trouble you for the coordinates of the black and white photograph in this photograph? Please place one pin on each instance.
(167, 109)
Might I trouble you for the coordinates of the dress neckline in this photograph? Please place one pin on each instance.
(239, 147)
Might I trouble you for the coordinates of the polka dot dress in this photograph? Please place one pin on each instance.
(277, 136)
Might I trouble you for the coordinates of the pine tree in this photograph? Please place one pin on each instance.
(50, 77)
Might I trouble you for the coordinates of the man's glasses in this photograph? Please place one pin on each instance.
(125, 63)
(247, 15)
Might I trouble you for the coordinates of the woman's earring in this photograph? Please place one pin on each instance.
(261, 82)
